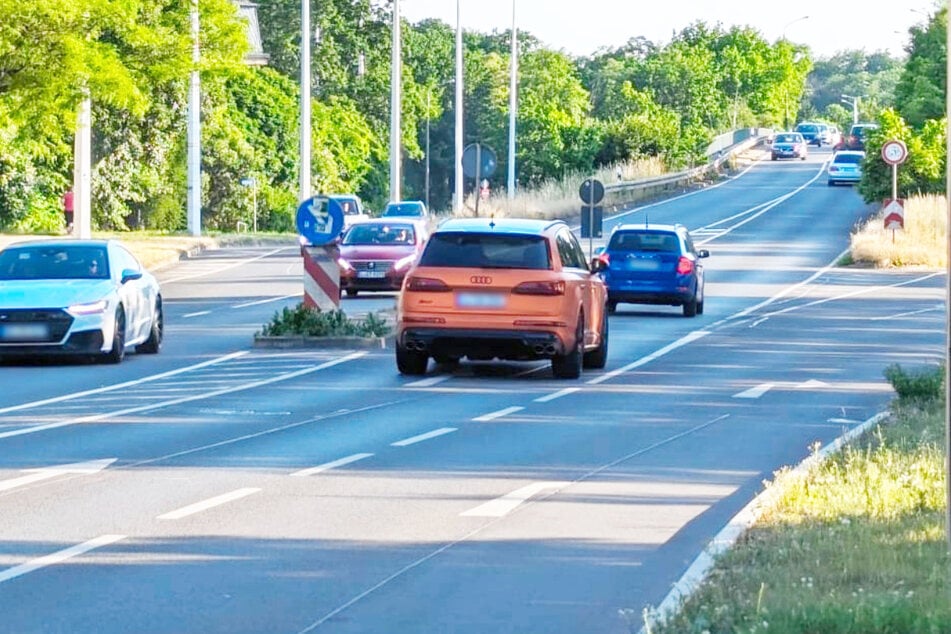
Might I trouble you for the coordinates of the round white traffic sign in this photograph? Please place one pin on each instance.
(894, 152)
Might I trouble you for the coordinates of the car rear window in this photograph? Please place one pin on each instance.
(404, 209)
(54, 263)
(807, 128)
(661, 241)
(487, 251)
(380, 234)
(847, 158)
(787, 138)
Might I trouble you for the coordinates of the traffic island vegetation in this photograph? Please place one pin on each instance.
(855, 546)
(923, 241)
(312, 322)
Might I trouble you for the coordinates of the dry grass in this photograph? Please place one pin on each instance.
(559, 198)
(922, 243)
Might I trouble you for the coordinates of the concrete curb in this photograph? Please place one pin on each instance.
(739, 524)
(296, 342)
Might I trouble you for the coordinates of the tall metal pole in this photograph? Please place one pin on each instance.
(305, 118)
(457, 199)
(395, 106)
(513, 105)
(194, 131)
(947, 277)
(82, 171)
(428, 99)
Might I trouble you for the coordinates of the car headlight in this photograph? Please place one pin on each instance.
(94, 308)
(403, 263)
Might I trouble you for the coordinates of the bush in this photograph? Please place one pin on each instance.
(312, 322)
(924, 384)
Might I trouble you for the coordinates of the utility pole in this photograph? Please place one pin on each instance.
(457, 199)
(305, 118)
(82, 170)
(395, 107)
(513, 105)
(194, 130)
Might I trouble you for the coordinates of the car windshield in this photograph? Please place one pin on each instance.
(384, 234)
(42, 262)
(644, 241)
(807, 128)
(403, 209)
(848, 158)
(787, 138)
(487, 251)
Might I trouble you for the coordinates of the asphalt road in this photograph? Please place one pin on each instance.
(219, 488)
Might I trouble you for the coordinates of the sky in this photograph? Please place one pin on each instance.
(581, 28)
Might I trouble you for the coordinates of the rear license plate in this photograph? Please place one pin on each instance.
(372, 275)
(638, 264)
(24, 332)
(480, 300)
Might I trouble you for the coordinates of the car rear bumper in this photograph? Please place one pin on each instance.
(482, 344)
(651, 297)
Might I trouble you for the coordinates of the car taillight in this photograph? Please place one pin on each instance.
(540, 288)
(684, 266)
(426, 285)
(605, 258)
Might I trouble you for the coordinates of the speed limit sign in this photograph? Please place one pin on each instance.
(894, 152)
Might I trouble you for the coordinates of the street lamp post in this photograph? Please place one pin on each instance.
(457, 198)
(194, 131)
(513, 105)
(854, 102)
(786, 91)
(305, 118)
(395, 106)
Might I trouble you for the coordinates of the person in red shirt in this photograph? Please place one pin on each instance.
(68, 210)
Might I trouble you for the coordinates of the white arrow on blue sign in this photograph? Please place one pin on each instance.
(319, 220)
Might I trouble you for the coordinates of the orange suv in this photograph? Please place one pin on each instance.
(502, 289)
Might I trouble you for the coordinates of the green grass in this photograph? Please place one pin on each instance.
(857, 546)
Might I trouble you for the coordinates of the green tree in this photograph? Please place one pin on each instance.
(920, 93)
(922, 173)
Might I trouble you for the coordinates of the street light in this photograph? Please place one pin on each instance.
(786, 90)
(513, 105)
(396, 103)
(429, 93)
(789, 24)
(854, 102)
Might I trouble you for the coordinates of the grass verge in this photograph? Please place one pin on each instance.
(857, 546)
(923, 242)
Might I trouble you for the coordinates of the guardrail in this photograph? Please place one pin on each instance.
(623, 192)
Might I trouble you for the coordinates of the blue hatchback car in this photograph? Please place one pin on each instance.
(654, 264)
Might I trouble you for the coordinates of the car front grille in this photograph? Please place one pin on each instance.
(33, 325)
(372, 265)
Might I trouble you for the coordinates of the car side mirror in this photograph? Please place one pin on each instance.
(703, 253)
(129, 274)
(598, 265)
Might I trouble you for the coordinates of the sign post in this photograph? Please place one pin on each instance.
(319, 223)
(591, 192)
(478, 162)
(894, 152)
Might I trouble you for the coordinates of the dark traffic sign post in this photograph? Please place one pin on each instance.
(478, 162)
(592, 193)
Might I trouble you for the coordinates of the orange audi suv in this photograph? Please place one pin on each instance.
(502, 289)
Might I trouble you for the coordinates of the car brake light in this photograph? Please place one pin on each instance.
(605, 258)
(684, 266)
(540, 288)
(426, 285)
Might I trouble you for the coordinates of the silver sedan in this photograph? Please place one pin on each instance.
(77, 297)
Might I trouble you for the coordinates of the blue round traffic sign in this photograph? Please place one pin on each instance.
(319, 220)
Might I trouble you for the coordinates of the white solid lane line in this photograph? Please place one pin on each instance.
(442, 431)
(558, 394)
(198, 507)
(45, 473)
(119, 386)
(755, 392)
(58, 557)
(504, 505)
(198, 314)
(266, 301)
(431, 381)
(688, 338)
(327, 466)
(221, 269)
(185, 399)
(499, 414)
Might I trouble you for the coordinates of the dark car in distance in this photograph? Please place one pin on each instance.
(654, 264)
(811, 132)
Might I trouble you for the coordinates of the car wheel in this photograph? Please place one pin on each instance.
(611, 306)
(118, 340)
(703, 296)
(598, 357)
(773, 158)
(154, 342)
(803, 158)
(352, 292)
(411, 362)
(690, 307)
(568, 366)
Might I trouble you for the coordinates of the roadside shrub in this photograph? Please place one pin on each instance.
(923, 384)
(312, 322)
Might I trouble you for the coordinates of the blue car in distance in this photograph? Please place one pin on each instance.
(654, 264)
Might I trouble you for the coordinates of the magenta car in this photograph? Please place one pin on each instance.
(376, 254)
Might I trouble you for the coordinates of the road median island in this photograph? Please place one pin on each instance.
(853, 543)
(305, 327)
